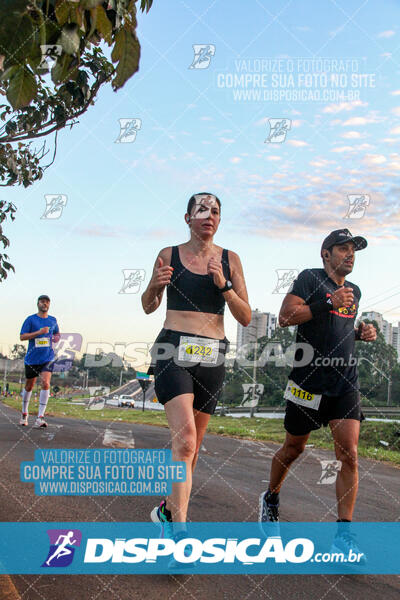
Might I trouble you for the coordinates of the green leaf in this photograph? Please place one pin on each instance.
(18, 39)
(22, 88)
(8, 73)
(145, 5)
(103, 25)
(127, 52)
(60, 68)
(62, 11)
(88, 4)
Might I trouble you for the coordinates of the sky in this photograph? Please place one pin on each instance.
(215, 78)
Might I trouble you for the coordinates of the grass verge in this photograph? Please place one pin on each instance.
(259, 429)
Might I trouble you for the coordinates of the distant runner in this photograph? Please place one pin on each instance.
(41, 330)
(324, 389)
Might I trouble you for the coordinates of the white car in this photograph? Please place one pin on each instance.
(126, 401)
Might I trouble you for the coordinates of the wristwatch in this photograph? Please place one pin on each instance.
(228, 286)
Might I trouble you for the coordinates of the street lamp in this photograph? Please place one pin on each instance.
(389, 379)
(255, 315)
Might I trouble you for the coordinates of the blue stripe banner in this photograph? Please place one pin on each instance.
(219, 548)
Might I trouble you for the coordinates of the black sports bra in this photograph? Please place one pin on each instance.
(194, 292)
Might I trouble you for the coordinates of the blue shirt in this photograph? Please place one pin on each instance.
(40, 349)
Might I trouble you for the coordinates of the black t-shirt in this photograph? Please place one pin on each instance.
(331, 335)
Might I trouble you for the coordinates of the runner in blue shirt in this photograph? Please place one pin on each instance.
(41, 330)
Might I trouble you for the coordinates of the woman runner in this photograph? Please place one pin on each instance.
(200, 277)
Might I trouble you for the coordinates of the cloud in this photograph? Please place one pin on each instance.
(235, 160)
(226, 140)
(341, 149)
(289, 188)
(351, 135)
(395, 131)
(101, 231)
(386, 34)
(343, 106)
(396, 111)
(374, 159)
(358, 121)
(320, 162)
(297, 143)
(273, 157)
(395, 93)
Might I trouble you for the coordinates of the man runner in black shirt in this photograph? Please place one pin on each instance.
(323, 385)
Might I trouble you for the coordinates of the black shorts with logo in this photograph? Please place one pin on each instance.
(32, 371)
(173, 377)
(300, 420)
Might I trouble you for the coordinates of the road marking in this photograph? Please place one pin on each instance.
(118, 439)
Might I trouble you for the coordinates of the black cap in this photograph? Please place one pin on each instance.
(341, 236)
(43, 297)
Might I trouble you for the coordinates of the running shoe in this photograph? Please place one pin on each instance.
(268, 516)
(345, 542)
(24, 419)
(40, 422)
(175, 565)
(158, 515)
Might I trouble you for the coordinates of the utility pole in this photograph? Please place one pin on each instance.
(5, 375)
(252, 409)
(256, 315)
(389, 391)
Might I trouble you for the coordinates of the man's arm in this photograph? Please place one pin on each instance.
(56, 334)
(27, 334)
(295, 311)
(365, 332)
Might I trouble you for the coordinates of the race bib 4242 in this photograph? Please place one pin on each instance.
(196, 349)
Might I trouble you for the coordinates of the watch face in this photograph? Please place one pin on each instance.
(229, 284)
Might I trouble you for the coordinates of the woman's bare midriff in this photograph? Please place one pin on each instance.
(198, 323)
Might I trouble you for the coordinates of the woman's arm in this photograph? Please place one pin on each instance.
(162, 272)
(237, 298)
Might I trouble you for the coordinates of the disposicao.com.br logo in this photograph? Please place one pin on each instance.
(190, 550)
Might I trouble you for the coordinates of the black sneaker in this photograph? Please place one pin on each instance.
(268, 515)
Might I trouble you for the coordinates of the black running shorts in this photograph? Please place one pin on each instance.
(300, 420)
(32, 371)
(174, 377)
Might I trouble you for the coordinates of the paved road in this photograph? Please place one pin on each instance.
(228, 480)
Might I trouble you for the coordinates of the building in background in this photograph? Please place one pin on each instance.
(373, 316)
(390, 332)
(261, 324)
(396, 339)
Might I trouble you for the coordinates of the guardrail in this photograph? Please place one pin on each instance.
(367, 410)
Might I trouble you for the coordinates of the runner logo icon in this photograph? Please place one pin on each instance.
(62, 547)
